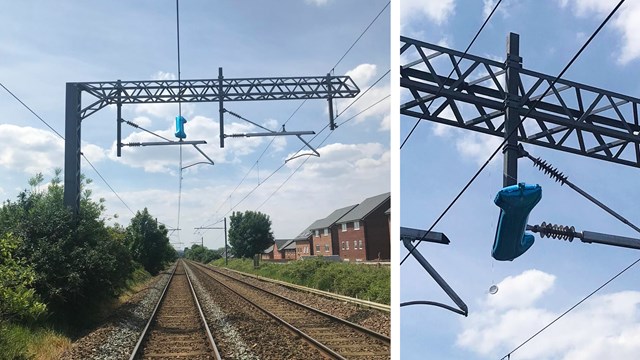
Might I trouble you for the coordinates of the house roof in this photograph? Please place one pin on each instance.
(280, 243)
(365, 208)
(268, 250)
(290, 245)
(304, 235)
(332, 218)
(388, 211)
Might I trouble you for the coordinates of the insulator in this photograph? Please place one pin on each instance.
(553, 173)
(556, 231)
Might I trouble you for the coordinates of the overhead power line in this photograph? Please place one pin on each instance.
(301, 104)
(507, 356)
(452, 71)
(62, 137)
(495, 152)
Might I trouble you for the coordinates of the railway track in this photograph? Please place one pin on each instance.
(335, 337)
(177, 328)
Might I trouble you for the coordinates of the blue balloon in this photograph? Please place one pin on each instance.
(180, 121)
(515, 202)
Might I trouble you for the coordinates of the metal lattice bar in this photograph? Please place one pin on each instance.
(571, 117)
(172, 91)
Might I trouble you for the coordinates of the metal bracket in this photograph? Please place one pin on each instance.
(408, 235)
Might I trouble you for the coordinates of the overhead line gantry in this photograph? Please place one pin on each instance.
(98, 95)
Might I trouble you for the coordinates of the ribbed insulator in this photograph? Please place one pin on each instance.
(552, 172)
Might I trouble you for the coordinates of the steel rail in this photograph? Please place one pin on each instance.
(136, 349)
(368, 332)
(359, 302)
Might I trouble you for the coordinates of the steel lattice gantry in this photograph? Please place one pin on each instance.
(488, 96)
(100, 94)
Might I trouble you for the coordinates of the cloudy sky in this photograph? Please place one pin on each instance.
(553, 275)
(45, 44)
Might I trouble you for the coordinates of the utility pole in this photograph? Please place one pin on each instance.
(225, 235)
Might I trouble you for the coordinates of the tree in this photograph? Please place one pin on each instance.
(76, 262)
(148, 243)
(17, 297)
(201, 254)
(249, 233)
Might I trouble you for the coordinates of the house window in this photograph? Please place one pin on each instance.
(344, 227)
(318, 248)
(317, 233)
(360, 243)
(356, 225)
(355, 244)
(326, 231)
(347, 242)
(326, 247)
(343, 245)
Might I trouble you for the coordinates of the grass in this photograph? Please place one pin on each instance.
(41, 342)
(24, 342)
(368, 282)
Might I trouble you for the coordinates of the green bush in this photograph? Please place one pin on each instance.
(367, 282)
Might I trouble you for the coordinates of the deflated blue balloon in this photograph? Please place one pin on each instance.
(515, 202)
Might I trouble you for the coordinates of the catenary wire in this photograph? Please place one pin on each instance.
(495, 152)
(62, 137)
(301, 104)
(507, 356)
(452, 71)
(316, 135)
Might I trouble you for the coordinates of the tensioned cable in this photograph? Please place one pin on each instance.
(452, 71)
(305, 100)
(362, 34)
(475, 176)
(325, 139)
(316, 135)
(179, 114)
(569, 310)
(62, 137)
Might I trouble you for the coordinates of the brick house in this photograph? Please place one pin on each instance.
(304, 246)
(325, 235)
(281, 250)
(267, 254)
(363, 232)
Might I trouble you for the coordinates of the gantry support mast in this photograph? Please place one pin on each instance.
(101, 94)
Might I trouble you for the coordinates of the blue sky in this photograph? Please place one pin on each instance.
(553, 275)
(45, 44)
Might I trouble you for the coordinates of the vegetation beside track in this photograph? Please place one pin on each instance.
(65, 273)
(355, 280)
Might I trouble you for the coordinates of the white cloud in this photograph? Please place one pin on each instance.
(317, 2)
(436, 11)
(604, 327)
(165, 158)
(364, 75)
(93, 152)
(626, 22)
(30, 150)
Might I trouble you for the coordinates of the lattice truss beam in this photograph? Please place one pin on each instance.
(101, 94)
(572, 117)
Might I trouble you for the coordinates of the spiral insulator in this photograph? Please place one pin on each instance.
(556, 231)
(552, 172)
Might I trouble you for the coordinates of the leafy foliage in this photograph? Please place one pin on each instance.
(201, 254)
(369, 282)
(249, 233)
(148, 243)
(76, 261)
(17, 298)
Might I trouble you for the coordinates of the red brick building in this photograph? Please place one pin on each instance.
(325, 235)
(280, 250)
(304, 246)
(363, 232)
